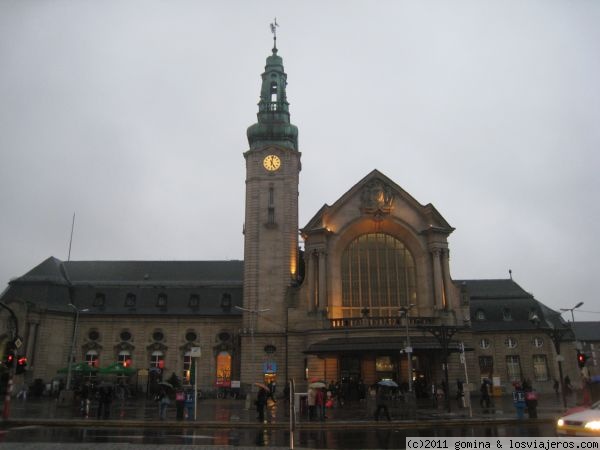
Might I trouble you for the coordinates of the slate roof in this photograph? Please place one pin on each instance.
(587, 331)
(53, 284)
(500, 298)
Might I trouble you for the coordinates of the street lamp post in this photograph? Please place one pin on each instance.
(404, 311)
(556, 335)
(572, 309)
(443, 334)
(73, 340)
(573, 320)
(253, 314)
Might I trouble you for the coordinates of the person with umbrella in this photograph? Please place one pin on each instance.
(382, 399)
(105, 395)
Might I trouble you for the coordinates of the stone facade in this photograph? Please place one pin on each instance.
(374, 273)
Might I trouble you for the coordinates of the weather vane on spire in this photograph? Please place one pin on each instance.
(274, 26)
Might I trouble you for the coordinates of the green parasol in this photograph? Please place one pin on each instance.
(117, 369)
(81, 368)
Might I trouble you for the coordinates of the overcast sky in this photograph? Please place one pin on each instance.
(133, 115)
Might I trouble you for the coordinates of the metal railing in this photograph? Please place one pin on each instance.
(380, 322)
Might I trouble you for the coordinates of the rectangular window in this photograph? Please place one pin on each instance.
(384, 364)
(540, 368)
(513, 368)
(486, 364)
(187, 367)
(271, 216)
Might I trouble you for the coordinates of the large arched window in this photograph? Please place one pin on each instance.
(378, 276)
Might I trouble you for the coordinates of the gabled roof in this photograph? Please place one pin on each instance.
(435, 218)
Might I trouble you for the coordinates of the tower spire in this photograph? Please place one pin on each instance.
(274, 26)
(273, 126)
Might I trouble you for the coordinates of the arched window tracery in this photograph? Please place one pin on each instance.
(378, 276)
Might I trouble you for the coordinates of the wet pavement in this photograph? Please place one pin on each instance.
(226, 423)
(225, 412)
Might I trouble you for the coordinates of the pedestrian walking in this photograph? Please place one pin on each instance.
(531, 401)
(105, 396)
(310, 400)
(163, 403)
(179, 404)
(484, 399)
(556, 387)
(189, 404)
(261, 403)
(320, 404)
(519, 401)
(382, 400)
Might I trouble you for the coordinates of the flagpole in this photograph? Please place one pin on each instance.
(71, 239)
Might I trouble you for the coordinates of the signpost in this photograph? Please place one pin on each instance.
(195, 353)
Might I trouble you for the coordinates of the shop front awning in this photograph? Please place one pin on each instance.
(348, 345)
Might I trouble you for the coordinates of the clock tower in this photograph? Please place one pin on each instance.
(270, 229)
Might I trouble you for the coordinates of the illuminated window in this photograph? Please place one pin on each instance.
(157, 360)
(224, 369)
(187, 367)
(384, 364)
(540, 368)
(124, 358)
(91, 358)
(513, 368)
(378, 273)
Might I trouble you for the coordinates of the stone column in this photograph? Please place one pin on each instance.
(438, 284)
(446, 278)
(31, 341)
(322, 280)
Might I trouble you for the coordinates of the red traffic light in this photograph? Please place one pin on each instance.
(581, 359)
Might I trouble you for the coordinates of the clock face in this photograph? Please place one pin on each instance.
(271, 162)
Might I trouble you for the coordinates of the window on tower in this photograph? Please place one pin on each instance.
(273, 91)
(271, 208)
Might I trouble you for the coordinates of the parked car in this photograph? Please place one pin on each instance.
(580, 421)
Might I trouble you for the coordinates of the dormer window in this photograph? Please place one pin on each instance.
(100, 299)
(194, 301)
(506, 314)
(480, 314)
(161, 301)
(226, 302)
(130, 300)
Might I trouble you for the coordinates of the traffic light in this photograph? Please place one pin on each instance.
(9, 358)
(581, 359)
(21, 365)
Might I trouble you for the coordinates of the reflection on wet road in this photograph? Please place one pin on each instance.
(314, 438)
